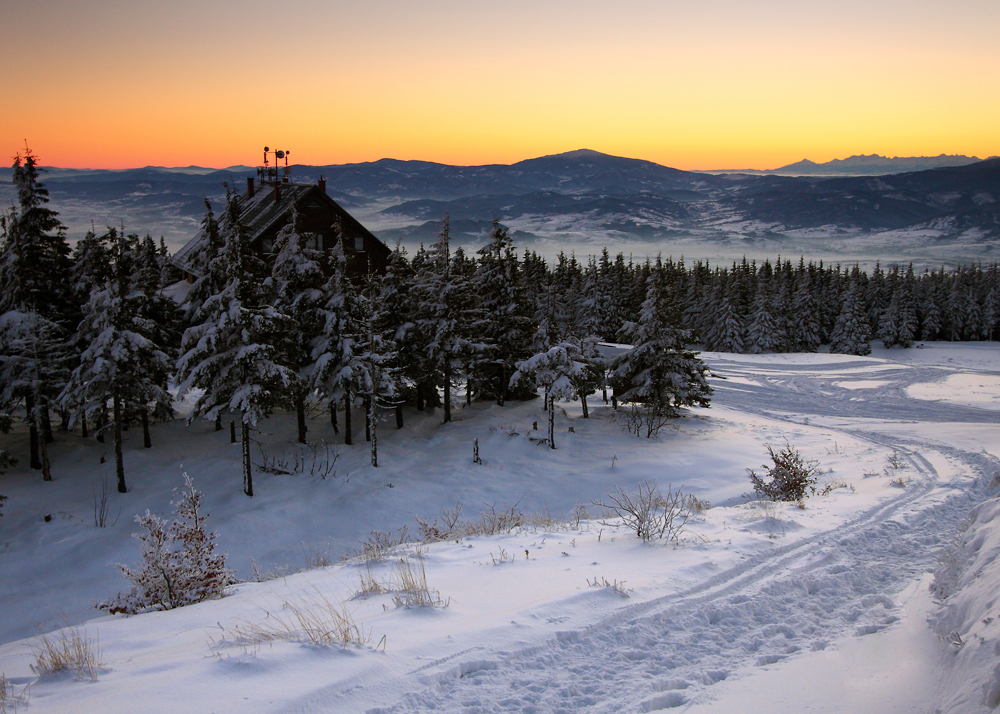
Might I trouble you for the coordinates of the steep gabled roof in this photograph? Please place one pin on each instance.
(262, 212)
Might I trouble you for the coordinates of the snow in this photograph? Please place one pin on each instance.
(776, 609)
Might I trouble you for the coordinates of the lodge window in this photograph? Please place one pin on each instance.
(359, 244)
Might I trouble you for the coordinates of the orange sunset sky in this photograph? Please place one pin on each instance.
(697, 85)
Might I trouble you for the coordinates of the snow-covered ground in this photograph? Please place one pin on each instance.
(782, 609)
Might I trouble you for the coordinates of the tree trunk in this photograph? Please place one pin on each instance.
(46, 466)
(102, 422)
(146, 441)
(29, 407)
(347, 420)
(333, 416)
(447, 396)
(218, 420)
(119, 464)
(368, 421)
(468, 392)
(63, 420)
(604, 394)
(373, 432)
(583, 403)
(420, 398)
(46, 422)
(83, 425)
(552, 423)
(232, 431)
(399, 416)
(300, 414)
(247, 472)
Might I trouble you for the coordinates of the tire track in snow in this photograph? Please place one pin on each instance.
(660, 654)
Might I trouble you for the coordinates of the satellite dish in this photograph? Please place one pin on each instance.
(280, 154)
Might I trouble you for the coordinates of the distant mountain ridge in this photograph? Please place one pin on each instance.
(865, 165)
(583, 197)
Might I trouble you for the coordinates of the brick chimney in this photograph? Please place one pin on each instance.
(322, 184)
(250, 186)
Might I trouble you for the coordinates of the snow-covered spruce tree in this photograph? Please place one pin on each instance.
(373, 373)
(211, 263)
(121, 361)
(35, 280)
(397, 321)
(660, 372)
(559, 371)
(442, 314)
(850, 334)
(504, 323)
(33, 357)
(336, 348)
(231, 352)
(296, 281)
(805, 326)
(179, 563)
(764, 333)
(725, 333)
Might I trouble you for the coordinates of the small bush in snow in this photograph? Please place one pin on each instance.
(790, 478)
(648, 513)
(67, 651)
(178, 565)
(642, 420)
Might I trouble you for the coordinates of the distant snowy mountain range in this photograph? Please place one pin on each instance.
(865, 165)
(583, 200)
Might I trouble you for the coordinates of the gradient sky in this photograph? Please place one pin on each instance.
(696, 85)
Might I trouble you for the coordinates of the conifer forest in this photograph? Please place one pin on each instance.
(88, 337)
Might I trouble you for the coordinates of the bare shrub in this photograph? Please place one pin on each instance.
(10, 698)
(695, 504)
(617, 586)
(443, 527)
(790, 477)
(580, 513)
(314, 621)
(68, 650)
(492, 522)
(101, 504)
(313, 459)
(642, 420)
(648, 513)
(179, 566)
(319, 555)
(409, 582)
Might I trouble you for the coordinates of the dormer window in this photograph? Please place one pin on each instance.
(359, 244)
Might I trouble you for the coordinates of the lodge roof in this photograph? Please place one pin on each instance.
(266, 210)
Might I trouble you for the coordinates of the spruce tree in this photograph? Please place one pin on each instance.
(504, 320)
(35, 290)
(850, 335)
(232, 350)
(296, 281)
(660, 372)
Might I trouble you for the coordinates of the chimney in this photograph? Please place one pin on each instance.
(250, 186)
(277, 192)
(322, 184)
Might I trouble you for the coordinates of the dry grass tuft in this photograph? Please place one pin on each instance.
(10, 698)
(314, 621)
(68, 650)
(409, 582)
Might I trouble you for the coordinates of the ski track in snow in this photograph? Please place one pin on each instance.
(802, 596)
